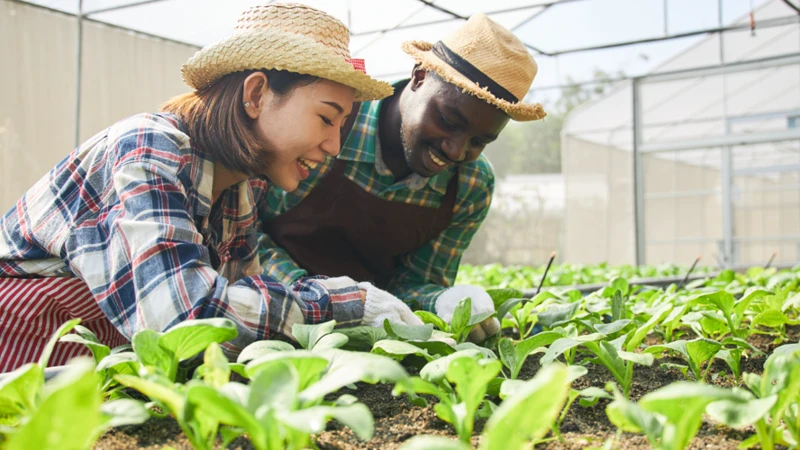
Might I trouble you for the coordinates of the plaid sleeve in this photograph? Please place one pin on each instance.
(153, 271)
(424, 273)
(276, 262)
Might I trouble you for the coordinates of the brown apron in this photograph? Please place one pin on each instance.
(340, 229)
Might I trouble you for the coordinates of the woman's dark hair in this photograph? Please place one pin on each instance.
(218, 124)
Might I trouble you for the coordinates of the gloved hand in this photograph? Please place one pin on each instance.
(380, 305)
(481, 303)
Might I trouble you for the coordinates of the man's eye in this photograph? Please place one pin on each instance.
(478, 143)
(326, 120)
(446, 123)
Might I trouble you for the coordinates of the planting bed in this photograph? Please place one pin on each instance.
(712, 364)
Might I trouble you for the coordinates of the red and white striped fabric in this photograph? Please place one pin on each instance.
(32, 309)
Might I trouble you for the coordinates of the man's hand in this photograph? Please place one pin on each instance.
(380, 305)
(481, 303)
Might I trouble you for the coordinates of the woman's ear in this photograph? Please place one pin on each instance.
(253, 95)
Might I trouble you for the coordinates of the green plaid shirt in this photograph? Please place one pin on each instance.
(423, 274)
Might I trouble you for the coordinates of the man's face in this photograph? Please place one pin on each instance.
(442, 126)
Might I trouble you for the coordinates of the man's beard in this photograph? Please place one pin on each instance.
(404, 143)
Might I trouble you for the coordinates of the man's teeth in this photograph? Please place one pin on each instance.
(436, 160)
(308, 164)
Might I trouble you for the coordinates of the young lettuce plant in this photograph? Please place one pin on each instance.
(460, 325)
(110, 362)
(732, 310)
(670, 417)
(773, 405)
(513, 356)
(66, 409)
(512, 425)
(284, 403)
(618, 355)
(520, 311)
(162, 352)
(695, 352)
(589, 396)
(199, 426)
(770, 313)
(471, 374)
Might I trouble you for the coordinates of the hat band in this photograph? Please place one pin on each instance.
(474, 74)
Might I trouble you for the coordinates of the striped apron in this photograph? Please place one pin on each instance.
(32, 309)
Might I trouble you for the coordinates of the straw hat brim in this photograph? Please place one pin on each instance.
(421, 52)
(268, 49)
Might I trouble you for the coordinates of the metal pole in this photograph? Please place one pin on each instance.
(666, 20)
(726, 171)
(78, 74)
(638, 179)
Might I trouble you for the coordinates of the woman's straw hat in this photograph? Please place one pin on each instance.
(485, 60)
(290, 37)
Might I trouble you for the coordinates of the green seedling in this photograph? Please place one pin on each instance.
(696, 353)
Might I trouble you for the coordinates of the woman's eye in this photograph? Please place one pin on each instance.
(326, 120)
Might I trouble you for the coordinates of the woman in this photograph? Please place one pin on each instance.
(152, 221)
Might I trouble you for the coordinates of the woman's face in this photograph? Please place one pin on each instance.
(300, 128)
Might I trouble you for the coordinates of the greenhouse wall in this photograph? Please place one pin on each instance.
(123, 73)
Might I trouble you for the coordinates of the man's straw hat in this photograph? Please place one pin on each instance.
(291, 37)
(485, 60)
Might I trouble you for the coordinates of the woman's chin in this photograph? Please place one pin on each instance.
(287, 184)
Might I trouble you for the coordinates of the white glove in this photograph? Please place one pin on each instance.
(382, 305)
(481, 303)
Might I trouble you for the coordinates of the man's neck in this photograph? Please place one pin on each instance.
(390, 136)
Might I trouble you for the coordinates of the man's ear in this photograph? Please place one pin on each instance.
(254, 93)
(418, 77)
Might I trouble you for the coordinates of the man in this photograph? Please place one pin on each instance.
(402, 201)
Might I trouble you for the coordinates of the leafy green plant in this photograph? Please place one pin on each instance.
(511, 425)
(66, 409)
(618, 355)
(460, 325)
(513, 356)
(670, 417)
(695, 352)
(521, 312)
(470, 372)
(773, 403)
(733, 311)
(319, 336)
(284, 403)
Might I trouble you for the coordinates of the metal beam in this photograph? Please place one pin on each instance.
(444, 10)
(768, 23)
(120, 7)
(739, 66)
(638, 177)
(722, 141)
(767, 169)
(78, 74)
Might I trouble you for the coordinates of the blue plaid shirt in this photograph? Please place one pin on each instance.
(130, 213)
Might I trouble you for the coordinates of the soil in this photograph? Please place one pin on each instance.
(396, 420)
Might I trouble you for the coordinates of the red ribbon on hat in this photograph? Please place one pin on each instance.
(357, 64)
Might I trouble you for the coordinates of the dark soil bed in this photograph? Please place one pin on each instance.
(396, 420)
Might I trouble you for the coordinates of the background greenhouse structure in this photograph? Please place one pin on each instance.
(685, 142)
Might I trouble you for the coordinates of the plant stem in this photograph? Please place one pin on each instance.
(764, 435)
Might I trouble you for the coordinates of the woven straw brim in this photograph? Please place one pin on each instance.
(421, 52)
(264, 49)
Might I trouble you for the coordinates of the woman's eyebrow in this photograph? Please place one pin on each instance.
(335, 105)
